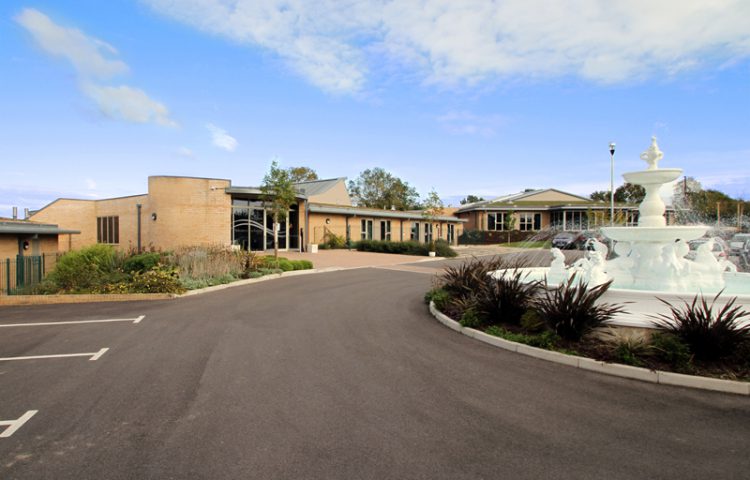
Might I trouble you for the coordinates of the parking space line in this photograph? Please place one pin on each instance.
(14, 425)
(75, 322)
(94, 356)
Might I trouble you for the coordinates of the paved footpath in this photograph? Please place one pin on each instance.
(340, 375)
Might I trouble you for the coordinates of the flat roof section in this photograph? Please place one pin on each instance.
(27, 228)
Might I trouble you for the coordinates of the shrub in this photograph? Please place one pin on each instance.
(669, 348)
(331, 240)
(627, 348)
(403, 248)
(285, 265)
(470, 319)
(301, 264)
(194, 283)
(710, 335)
(546, 339)
(443, 249)
(571, 310)
(141, 262)
(439, 296)
(157, 280)
(210, 261)
(84, 269)
(505, 299)
(531, 321)
(466, 278)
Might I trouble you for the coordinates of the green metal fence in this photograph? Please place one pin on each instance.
(18, 275)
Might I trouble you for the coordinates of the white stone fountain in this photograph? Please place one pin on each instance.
(650, 263)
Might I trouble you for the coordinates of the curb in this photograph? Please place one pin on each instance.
(28, 300)
(264, 278)
(613, 369)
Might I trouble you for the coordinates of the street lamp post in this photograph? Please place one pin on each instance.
(612, 183)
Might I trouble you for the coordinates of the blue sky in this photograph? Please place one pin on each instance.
(471, 97)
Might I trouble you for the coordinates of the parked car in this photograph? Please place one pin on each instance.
(565, 240)
(737, 242)
(582, 241)
(719, 250)
(744, 255)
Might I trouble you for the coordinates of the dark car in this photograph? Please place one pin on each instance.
(582, 240)
(565, 240)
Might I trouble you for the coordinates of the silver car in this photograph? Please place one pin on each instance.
(737, 242)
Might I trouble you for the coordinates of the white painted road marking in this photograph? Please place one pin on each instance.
(75, 322)
(14, 425)
(94, 356)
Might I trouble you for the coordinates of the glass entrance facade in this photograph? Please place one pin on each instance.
(252, 226)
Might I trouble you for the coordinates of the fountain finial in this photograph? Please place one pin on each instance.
(652, 155)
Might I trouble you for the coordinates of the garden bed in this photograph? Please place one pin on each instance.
(697, 340)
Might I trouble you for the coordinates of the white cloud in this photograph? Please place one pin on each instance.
(336, 45)
(94, 59)
(128, 103)
(185, 152)
(221, 139)
(88, 55)
(467, 123)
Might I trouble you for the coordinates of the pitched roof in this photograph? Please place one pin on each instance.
(523, 197)
(317, 187)
(377, 213)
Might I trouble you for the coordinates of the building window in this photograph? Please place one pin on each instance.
(366, 229)
(496, 221)
(414, 232)
(450, 233)
(530, 221)
(385, 230)
(108, 230)
(427, 232)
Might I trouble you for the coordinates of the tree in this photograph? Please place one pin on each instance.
(278, 195)
(433, 208)
(471, 199)
(682, 191)
(509, 223)
(302, 174)
(600, 196)
(377, 188)
(629, 193)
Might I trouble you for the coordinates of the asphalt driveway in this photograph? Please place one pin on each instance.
(341, 375)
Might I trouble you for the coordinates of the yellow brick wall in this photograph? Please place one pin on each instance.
(190, 211)
(8, 246)
(73, 215)
(124, 208)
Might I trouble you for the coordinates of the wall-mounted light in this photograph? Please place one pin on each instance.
(328, 221)
(153, 216)
(25, 244)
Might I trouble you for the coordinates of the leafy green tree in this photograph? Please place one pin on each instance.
(600, 196)
(629, 193)
(278, 195)
(471, 199)
(432, 208)
(509, 223)
(302, 174)
(378, 188)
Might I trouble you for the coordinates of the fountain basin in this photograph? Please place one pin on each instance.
(658, 176)
(655, 234)
(641, 305)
